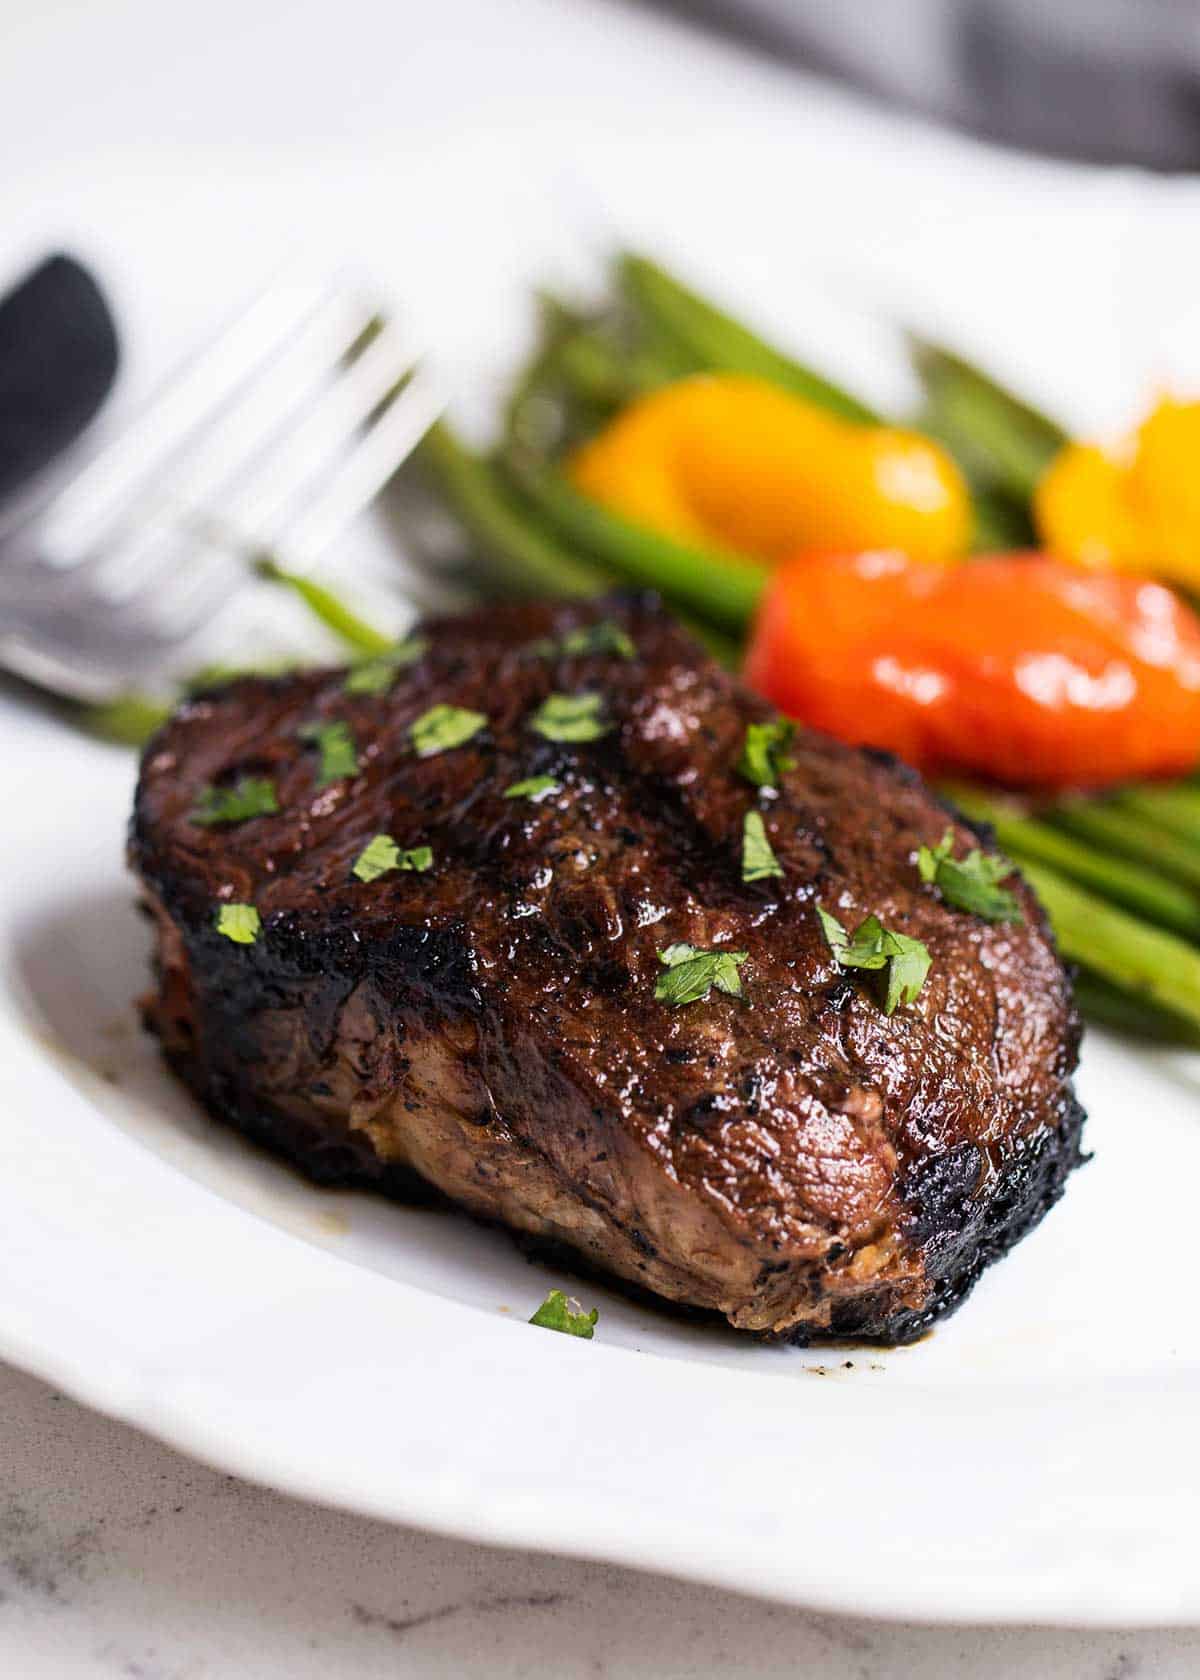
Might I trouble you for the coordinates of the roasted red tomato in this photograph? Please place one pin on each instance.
(1019, 668)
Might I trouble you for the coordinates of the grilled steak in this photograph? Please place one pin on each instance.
(792, 1158)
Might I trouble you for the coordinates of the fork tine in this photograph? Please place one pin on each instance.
(286, 430)
(398, 429)
(89, 501)
(274, 440)
(305, 453)
(230, 448)
(61, 672)
(393, 428)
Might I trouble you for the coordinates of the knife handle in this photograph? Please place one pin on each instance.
(58, 359)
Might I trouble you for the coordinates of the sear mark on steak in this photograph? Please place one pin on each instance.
(487, 1030)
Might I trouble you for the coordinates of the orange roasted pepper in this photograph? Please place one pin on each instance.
(1021, 668)
(1136, 511)
(726, 461)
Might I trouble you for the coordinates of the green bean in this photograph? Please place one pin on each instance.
(1173, 807)
(128, 721)
(221, 672)
(718, 341)
(719, 587)
(1129, 834)
(585, 366)
(521, 556)
(597, 371)
(557, 320)
(1107, 1004)
(520, 553)
(1146, 961)
(1001, 522)
(1124, 882)
(1000, 438)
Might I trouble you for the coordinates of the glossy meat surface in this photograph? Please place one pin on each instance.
(794, 1159)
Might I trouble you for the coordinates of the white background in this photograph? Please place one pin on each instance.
(117, 1557)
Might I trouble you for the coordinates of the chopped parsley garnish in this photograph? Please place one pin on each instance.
(764, 752)
(239, 922)
(605, 637)
(905, 961)
(758, 860)
(373, 676)
(971, 883)
(559, 1312)
(692, 973)
(377, 674)
(570, 717)
(335, 743)
(251, 796)
(381, 856)
(533, 787)
(443, 727)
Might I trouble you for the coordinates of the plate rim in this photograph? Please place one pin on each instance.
(72, 1328)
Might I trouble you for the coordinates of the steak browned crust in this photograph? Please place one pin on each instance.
(794, 1160)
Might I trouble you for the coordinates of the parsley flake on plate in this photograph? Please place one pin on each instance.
(560, 1312)
(377, 674)
(570, 717)
(533, 787)
(335, 743)
(692, 973)
(904, 960)
(758, 858)
(381, 856)
(251, 796)
(443, 727)
(971, 883)
(764, 752)
(239, 922)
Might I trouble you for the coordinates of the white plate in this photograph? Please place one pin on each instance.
(1032, 1460)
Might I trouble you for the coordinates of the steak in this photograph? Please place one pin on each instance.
(484, 1023)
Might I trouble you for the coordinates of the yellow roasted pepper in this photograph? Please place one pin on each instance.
(733, 462)
(1136, 510)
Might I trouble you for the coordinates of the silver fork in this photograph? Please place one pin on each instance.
(271, 442)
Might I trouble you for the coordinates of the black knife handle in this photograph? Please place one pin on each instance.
(58, 359)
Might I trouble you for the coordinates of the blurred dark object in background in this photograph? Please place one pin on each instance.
(1114, 81)
(58, 361)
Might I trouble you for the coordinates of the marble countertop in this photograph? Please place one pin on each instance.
(122, 1560)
